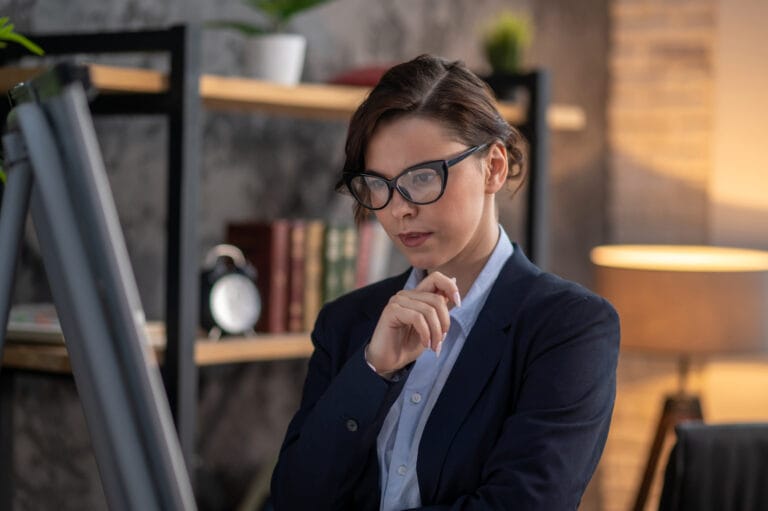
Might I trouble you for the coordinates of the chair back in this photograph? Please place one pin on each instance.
(717, 467)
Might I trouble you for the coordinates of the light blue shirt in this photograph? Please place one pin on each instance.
(397, 445)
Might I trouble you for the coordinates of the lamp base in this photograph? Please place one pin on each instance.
(677, 408)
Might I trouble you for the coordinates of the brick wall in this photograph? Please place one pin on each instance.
(660, 113)
(660, 117)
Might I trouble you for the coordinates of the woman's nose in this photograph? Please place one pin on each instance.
(399, 207)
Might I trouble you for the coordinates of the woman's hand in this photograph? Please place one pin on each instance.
(412, 321)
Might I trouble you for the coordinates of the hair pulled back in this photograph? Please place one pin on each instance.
(437, 89)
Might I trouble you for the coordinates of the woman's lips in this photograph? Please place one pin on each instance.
(413, 239)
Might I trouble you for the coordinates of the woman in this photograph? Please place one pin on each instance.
(472, 381)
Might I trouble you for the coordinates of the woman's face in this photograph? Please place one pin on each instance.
(457, 232)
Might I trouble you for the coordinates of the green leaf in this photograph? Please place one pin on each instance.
(7, 35)
(281, 11)
(505, 40)
(245, 28)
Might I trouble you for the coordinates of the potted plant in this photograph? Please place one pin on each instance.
(7, 35)
(275, 55)
(505, 40)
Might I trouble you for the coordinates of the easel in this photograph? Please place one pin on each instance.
(54, 170)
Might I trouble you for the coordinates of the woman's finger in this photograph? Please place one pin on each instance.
(437, 282)
(408, 317)
(436, 301)
(429, 307)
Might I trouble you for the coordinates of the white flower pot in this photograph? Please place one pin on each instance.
(277, 57)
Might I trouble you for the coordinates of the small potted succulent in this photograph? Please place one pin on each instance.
(275, 55)
(504, 43)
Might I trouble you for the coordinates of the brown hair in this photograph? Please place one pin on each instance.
(438, 89)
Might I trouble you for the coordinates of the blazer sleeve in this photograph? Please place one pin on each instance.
(328, 442)
(552, 440)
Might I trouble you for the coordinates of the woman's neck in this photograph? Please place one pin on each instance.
(466, 269)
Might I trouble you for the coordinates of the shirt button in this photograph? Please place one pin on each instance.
(415, 398)
(351, 425)
(402, 469)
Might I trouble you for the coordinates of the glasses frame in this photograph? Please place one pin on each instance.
(439, 166)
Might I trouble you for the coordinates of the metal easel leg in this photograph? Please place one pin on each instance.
(12, 217)
(118, 412)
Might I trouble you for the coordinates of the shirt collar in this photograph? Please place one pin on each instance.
(474, 300)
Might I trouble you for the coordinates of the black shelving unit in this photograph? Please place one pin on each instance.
(535, 129)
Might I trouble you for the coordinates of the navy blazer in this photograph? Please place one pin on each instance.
(521, 421)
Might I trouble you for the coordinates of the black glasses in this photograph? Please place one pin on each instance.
(423, 183)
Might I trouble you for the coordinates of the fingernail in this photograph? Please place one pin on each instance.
(439, 347)
(457, 299)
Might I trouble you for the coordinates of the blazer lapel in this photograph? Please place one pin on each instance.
(474, 366)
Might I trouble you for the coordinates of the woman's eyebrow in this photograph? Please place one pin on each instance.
(410, 167)
(375, 173)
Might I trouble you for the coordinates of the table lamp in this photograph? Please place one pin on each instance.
(685, 301)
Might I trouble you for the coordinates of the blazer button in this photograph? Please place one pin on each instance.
(351, 425)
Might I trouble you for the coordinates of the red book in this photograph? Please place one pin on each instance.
(266, 246)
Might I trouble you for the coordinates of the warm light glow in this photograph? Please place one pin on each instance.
(680, 258)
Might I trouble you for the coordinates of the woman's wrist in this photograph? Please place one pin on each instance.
(383, 373)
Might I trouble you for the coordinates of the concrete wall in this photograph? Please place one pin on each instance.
(251, 167)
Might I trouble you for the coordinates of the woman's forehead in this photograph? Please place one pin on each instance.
(407, 141)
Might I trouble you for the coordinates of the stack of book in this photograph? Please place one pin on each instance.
(39, 323)
(301, 264)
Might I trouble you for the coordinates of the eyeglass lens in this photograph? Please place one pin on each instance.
(420, 186)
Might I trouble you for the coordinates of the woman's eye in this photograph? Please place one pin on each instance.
(376, 185)
(422, 178)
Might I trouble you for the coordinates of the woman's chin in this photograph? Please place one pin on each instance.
(424, 261)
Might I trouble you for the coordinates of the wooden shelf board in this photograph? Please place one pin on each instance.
(244, 94)
(306, 100)
(37, 357)
(252, 349)
(264, 347)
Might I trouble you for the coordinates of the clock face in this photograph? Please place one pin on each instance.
(235, 303)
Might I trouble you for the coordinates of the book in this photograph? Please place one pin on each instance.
(266, 246)
(380, 254)
(296, 277)
(348, 258)
(314, 240)
(39, 323)
(364, 242)
(332, 263)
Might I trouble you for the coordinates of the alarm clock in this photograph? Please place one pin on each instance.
(229, 299)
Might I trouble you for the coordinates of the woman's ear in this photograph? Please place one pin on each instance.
(497, 168)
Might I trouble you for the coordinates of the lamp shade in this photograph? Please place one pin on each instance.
(686, 300)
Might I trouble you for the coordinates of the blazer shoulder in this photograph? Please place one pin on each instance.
(552, 293)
